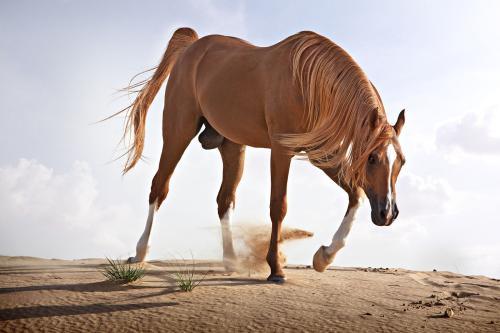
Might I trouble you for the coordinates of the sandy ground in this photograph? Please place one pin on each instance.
(68, 296)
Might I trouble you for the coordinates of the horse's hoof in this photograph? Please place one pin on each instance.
(276, 279)
(321, 260)
(133, 260)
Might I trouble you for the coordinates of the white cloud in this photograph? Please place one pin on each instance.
(422, 196)
(40, 206)
(474, 133)
(34, 192)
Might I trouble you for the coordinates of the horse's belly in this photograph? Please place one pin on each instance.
(239, 125)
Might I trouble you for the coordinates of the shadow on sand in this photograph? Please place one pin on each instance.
(73, 310)
(109, 286)
(102, 286)
(151, 288)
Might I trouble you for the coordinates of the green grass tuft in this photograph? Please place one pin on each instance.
(185, 278)
(122, 272)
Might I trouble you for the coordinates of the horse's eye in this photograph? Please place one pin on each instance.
(371, 159)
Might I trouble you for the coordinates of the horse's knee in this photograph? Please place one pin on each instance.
(278, 208)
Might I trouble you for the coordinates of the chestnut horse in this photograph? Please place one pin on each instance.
(302, 96)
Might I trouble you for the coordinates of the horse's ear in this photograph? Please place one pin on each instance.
(400, 122)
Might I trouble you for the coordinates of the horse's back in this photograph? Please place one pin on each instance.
(236, 85)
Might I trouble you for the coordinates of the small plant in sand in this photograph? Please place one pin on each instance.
(119, 271)
(185, 277)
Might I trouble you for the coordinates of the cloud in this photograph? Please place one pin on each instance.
(422, 196)
(41, 207)
(474, 133)
(35, 192)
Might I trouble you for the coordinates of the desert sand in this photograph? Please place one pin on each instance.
(73, 296)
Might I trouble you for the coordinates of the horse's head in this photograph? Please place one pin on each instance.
(382, 170)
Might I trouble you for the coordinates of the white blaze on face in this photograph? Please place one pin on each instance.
(391, 156)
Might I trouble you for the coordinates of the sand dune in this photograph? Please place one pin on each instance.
(65, 296)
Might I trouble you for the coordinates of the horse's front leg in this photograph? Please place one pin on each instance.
(326, 254)
(280, 166)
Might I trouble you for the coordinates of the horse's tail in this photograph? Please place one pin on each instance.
(135, 123)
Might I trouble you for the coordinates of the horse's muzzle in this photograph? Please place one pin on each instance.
(384, 213)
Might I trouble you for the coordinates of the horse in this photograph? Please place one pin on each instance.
(304, 96)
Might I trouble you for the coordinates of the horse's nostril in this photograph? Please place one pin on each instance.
(383, 214)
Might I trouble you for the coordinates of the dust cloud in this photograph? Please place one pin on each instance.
(251, 243)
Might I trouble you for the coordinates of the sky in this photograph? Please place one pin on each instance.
(62, 194)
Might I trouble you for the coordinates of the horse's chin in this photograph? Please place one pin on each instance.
(379, 222)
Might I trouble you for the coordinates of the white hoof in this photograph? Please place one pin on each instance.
(321, 259)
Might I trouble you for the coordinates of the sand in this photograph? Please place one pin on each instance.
(72, 296)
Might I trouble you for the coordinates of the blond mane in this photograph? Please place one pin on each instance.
(345, 117)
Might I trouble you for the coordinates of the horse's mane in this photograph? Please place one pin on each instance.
(345, 117)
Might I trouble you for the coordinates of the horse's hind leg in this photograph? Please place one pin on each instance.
(233, 157)
(178, 131)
